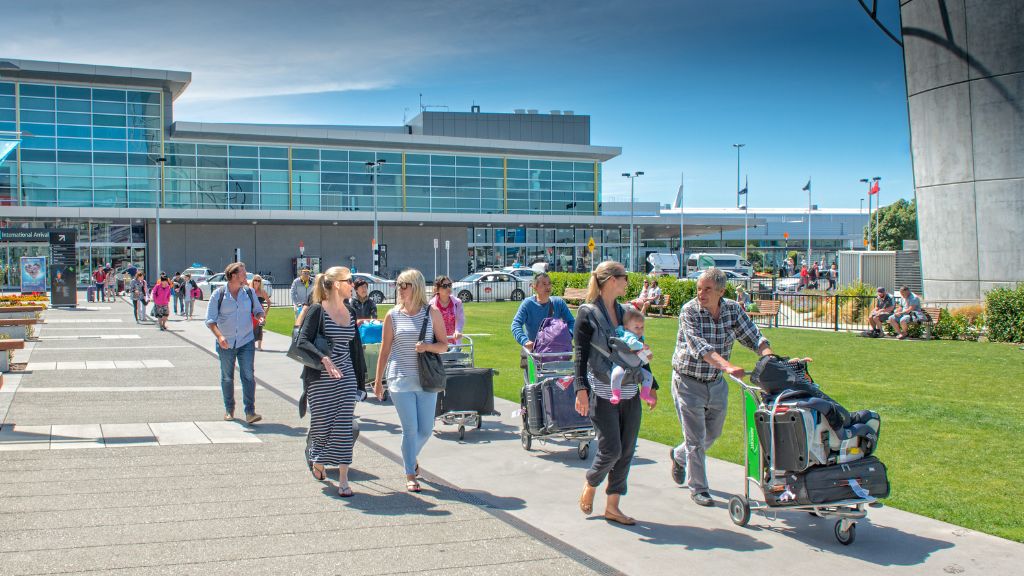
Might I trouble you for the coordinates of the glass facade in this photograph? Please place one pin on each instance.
(565, 249)
(98, 147)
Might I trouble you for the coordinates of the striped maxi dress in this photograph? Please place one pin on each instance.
(332, 402)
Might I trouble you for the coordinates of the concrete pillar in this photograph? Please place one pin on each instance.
(965, 86)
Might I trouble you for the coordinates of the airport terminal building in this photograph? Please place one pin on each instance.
(101, 151)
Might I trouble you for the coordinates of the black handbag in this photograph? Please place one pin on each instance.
(431, 368)
(322, 344)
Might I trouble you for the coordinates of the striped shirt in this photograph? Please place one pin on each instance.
(403, 363)
(700, 334)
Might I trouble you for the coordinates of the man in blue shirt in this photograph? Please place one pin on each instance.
(909, 312)
(534, 310)
(229, 316)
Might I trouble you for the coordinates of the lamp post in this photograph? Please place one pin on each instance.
(632, 188)
(870, 184)
(737, 147)
(162, 161)
(374, 169)
(878, 206)
(861, 205)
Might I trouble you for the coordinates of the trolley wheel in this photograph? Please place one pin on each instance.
(739, 510)
(479, 422)
(526, 439)
(583, 450)
(462, 431)
(846, 537)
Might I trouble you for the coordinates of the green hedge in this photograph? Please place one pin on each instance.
(1004, 314)
(679, 291)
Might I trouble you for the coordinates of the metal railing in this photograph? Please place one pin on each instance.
(820, 311)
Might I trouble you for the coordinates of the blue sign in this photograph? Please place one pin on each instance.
(33, 274)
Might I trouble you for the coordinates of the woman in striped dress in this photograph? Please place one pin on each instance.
(331, 392)
(399, 348)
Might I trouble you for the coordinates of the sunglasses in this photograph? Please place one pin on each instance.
(403, 285)
(621, 276)
(347, 280)
(445, 285)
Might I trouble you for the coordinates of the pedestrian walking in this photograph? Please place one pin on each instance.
(177, 281)
(98, 278)
(189, 295)
(138, 290)
(708, 326)
(399, 349)
(302, 291)
(331, 391)
(833, 276)
(110, 284)
(229, 316)
(452, 311)
(617, 425)
(264, 298)
(532, 312)
(161, 294)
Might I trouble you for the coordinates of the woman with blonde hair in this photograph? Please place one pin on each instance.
(331, 391)
(264, 298)
(617, 425)
(399, 351)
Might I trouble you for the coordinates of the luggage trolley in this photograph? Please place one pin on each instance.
(469, 394)
(541, 366)
(759, 471)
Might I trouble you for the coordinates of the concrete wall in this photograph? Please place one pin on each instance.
(269, 248)
(965, 85)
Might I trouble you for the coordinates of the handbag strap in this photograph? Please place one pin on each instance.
(423, 329)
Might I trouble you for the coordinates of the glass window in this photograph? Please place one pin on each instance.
(334, 155)
(28, 155)
(492, 162)
(143, 97)
(467, 161)
(74, 106)
(273, 152)
(360, 156)
(273, 164)
(69, 131)
(305, 164)
(7, 102)
(110, 158)
(144, 109)
(38, 142)
(108, 95)
(113, 133)
(244, 162)
(108, 107)
(440, 160)
(417, 159)
(108, 120)
(305, 154)
(442, 170)
(37, 116)
(245, 151)
(217, 162)
(393, 158)
(211, 150)
(44, 90)
(75, 92)
(74, 144)
(28, 103)
(564, 236)
(7, 88)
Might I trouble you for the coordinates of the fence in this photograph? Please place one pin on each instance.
(821, 311)
(468, 292)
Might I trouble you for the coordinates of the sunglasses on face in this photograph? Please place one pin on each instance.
(403, 285)
(347, 280)
(445, 285)
(621, 276)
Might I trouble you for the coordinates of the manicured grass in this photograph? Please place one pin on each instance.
(950, 410)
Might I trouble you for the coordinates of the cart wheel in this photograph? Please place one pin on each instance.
(583, 451)
(739, 510)
(479, 422)
(462, 431)
(846, 537)
(525, 438)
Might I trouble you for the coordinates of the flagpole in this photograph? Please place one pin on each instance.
(808, 221)
(878, 205)
(682, 233)
(746, 210)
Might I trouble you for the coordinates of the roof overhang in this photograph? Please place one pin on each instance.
(172, 81)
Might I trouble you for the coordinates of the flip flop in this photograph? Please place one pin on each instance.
(345, 492)
(413, 486)
(315, 471)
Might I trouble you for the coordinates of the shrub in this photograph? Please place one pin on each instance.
(679, 291)
(1004, 312)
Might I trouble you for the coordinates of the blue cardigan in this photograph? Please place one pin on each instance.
(531, 313)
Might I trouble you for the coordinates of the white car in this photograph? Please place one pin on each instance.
(490, 287)
(790, 284)
(217, 280)
(378, 289)
(728, 274)
(199, 273)
(526, 274)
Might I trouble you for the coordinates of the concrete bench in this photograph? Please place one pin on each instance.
(7, 345)
(767, 309)
(9, 312)
(17, 327)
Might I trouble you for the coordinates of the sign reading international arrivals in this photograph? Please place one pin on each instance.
(33, 274)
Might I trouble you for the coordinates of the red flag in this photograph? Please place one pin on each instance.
(874, 188)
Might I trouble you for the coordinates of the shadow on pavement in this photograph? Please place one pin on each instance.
(276, 429)
(691, 537)
(388, 504)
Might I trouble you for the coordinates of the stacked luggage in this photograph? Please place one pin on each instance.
(551, 409)
(815, 450)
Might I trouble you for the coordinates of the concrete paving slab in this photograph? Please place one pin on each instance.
(100, 365)
(227, 432)
(139, 434)
(172, 433)
(70, 365)
(127, 364)
(119, 389)
(73, 436)
(157, 364)
(39, 366)
(18, 437)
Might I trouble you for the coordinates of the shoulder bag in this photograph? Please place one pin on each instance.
(431, 368)
(322, 344)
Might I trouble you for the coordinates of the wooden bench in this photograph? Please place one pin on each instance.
(766, 309)
(662, 304)
(574, 296)
(933, 313)
(7, 312)
(6, 346)
(17, 327)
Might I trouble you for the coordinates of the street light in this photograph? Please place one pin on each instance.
(745, 194)
(374, 169)
(871, 183)
(632, 180)
(162, 161)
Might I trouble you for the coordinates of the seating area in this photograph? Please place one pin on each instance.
(18, 327)
(767, 310)
(574, 296)
(8, 345)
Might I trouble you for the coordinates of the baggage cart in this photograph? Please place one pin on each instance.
(469, 393)
(371, 352)
(759, 471)
(541, 366)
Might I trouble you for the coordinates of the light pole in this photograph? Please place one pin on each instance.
(632, 180)
(737, 147)
(160, 200)
(878, 204)
(682, 232)
(861, 205)
(810, 207)
(374, 169)
(871, 183)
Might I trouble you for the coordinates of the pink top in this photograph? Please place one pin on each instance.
(161, 295)
(453, 315)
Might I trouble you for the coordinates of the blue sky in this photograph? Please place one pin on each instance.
(811, 87)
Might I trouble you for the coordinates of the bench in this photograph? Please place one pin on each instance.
(661, 304)
(20, 311)
(768, 309)
(574, 296)
(17, 327)
(6, 346)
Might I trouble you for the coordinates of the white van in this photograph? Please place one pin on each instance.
(705, 260)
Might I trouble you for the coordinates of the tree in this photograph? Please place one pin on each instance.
(896, 222)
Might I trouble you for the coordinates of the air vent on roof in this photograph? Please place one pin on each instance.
(520, 110)
(568, 112)
(556, 112)
(475, 109)
(531, 111)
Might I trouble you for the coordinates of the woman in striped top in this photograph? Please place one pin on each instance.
(398, 351)
(617, 425)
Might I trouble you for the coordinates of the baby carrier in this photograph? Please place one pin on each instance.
(611, 350)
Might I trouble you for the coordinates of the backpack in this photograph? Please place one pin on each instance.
(252, 298)
(612, 350)
(775, 374)
(553, 336)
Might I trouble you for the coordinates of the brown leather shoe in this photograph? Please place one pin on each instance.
(619, 519)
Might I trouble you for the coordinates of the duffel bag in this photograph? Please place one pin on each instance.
(774, 374)
(828, 484)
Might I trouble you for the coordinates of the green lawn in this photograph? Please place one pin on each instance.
(950, 410)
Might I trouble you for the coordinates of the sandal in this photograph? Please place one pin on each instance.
(413, 486)
(319, 473)
(345, 491)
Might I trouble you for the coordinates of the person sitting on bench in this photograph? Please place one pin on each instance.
(909, 312)
(884, 306)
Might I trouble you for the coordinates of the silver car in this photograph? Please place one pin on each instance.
(378, 289)
(490, 287)
(217, 280)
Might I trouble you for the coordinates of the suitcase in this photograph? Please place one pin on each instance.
(371, 352)
(533, 402)
(560, 408)
(794, 433)
(467, 390)
(827, 484)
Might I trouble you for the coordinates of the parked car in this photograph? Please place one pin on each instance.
(490, 287)
(217, 280)
(790, 284)
(379, 289)
(521, 272)
(199, 273)
(728, 273)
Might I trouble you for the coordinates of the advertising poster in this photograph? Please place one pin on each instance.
(33, 274)
(63, 269)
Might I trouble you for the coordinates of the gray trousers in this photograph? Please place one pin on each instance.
(701, 408)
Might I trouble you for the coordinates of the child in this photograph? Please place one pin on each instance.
(632, 333)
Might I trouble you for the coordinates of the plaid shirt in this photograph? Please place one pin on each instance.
(700, 333)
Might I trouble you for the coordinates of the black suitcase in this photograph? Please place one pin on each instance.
(826, 484)
(467, 390)
(533, 403)
(560, 408)
(793, 430)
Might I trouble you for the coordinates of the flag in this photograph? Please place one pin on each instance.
(679, 195)
(874, 188)
(807, 188)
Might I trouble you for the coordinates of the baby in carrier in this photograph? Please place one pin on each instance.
(631, 335)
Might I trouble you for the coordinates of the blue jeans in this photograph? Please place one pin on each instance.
(178, 304)
(416, 412)
(245, 355)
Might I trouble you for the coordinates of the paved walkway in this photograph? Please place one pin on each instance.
(131, 471)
